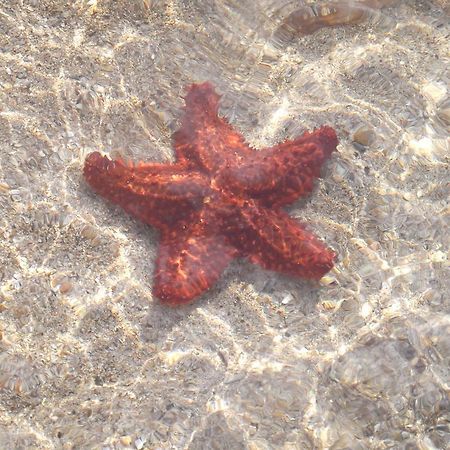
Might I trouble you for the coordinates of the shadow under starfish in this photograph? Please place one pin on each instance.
(220, 200)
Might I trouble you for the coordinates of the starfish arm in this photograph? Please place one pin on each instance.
(190, 261)
(276, 242)
(156, 194)
(280, 174)
(205, 140)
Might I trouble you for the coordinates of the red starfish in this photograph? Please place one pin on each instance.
(221, 199)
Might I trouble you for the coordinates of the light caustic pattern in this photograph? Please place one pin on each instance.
(90, 359)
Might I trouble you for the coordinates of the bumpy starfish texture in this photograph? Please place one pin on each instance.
(220, 200)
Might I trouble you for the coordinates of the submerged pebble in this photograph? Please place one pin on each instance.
(310, 18)
(364, 135)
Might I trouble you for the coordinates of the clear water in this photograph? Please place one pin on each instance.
(89, 360)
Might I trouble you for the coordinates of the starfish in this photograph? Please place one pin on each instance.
(219, 200)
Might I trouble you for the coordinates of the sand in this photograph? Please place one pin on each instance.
(89, 360)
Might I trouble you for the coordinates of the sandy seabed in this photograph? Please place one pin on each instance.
(89, 360)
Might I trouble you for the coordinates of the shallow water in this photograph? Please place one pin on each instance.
(89, 360)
